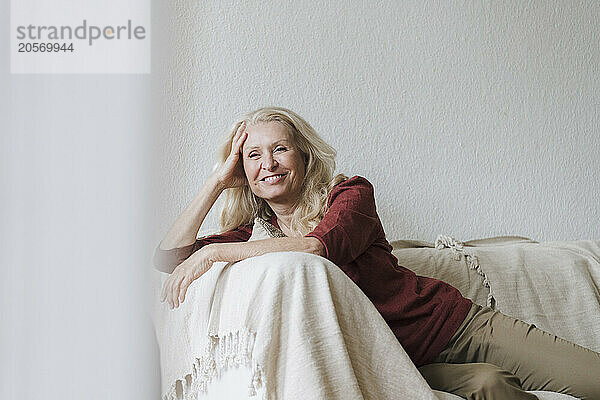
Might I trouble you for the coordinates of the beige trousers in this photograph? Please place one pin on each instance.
(494, 356)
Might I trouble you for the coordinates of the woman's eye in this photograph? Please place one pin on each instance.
(280, 148)
(253, 155)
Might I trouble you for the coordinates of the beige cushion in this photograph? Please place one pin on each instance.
(423, 259)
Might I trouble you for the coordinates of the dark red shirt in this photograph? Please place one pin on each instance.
(423, 313)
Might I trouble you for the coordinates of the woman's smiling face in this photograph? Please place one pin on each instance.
(273, 164)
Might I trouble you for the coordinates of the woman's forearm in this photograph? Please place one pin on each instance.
(231, 252)
(175, 287)
(184, 230)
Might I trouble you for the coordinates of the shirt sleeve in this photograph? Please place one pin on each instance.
(167, 260)
(351, 223)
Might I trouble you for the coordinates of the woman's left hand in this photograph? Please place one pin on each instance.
(175, 287)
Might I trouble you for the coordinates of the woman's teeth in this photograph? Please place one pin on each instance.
(272, 179)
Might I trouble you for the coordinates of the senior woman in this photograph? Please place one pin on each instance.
(275, 167)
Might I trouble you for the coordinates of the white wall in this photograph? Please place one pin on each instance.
(471, 119)
(74, 244)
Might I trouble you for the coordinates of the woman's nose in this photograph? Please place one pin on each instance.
(269, 163)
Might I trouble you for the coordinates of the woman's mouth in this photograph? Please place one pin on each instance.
(273, 179)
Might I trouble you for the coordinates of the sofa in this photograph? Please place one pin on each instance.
(553, 285)
(294, 326)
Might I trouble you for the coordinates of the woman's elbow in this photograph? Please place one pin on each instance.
(315, 246)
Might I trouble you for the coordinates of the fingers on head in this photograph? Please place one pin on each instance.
(240, 129)
(238, 141)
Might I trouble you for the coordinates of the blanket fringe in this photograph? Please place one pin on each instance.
(232, 349)
(458, 249)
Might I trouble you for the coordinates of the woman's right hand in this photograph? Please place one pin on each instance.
(231, 173)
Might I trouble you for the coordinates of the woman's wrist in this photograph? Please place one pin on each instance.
(226, 252)
(215, 184)
(211, 252)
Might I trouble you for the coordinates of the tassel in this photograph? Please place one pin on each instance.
(458, 250)
(231, 349)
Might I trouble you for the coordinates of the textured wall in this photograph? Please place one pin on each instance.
(471, 119)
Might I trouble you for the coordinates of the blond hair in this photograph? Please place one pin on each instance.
(242, 206)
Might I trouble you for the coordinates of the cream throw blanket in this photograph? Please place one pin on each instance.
(306, 330)
(554, 285)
